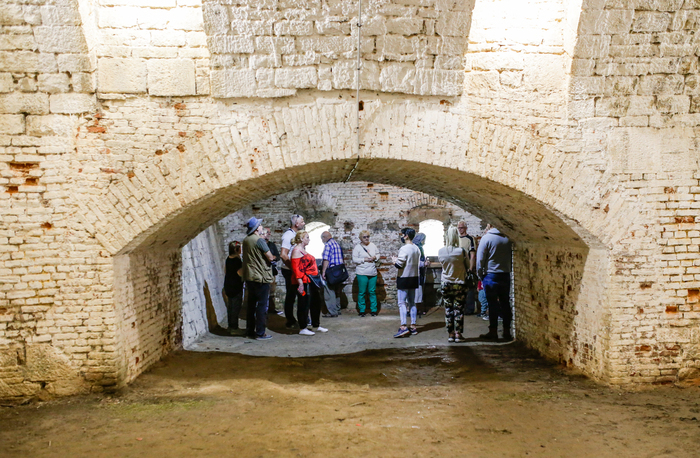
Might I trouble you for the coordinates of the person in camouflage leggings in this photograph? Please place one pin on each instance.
(455, 262)
(453, 298)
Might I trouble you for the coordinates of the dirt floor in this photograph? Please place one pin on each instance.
(431, 400)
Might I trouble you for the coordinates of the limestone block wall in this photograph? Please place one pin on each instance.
(274, 48)
(152, 47)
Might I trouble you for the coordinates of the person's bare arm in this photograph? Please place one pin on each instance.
(284, 254)
(270, 257)
(472, 261)
(324, 267)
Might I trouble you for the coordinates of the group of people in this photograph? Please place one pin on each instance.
(255, 261)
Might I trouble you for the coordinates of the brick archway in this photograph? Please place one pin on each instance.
(178, 192)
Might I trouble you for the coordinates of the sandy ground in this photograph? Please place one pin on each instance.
(409, 398)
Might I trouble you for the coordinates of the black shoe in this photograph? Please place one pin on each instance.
(362, 315)
(292, 325)
(373, 314)
(507, 336)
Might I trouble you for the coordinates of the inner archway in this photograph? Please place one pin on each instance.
(559, 302)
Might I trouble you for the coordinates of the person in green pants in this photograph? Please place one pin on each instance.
(366, 256)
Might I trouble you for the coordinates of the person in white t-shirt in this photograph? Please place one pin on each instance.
(296, 225)
(407, 262)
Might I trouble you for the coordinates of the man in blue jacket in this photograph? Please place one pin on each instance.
(493, 261)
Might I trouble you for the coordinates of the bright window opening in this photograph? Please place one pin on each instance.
(315, 229)
(434, 232)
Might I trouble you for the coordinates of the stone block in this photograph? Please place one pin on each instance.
(11, 124)
(59, 15)
(329, 46)
(404, 26)
(83, 82)
(398, 78)
(59, 125)
(11, 14)
(18, 102)
(641, 106)
(481, 83)
(72, 103)
(60, 39)
(296, 60)
(216, 18)
(265, 61)
(265, 78)
(274, 45)
(453, 24)
(232, 83)
(651, 21)
(53, 82)
(227, 44)
(6, 82)
(374, 26)
(592, 46)
(334, 26)
(185, 19)
(171, 77)
(605, 22)
(74, 63)
(296, 78)
(447, 82)
(673, 104)
(18, 42)
(27, 61)
(294, 28)
(196, 39)
(661, 84)
(122, 75)
(581, 109)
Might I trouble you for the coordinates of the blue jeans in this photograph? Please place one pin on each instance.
(366, 285)
(407, 296)
(484, 303)
(256, 316)
(497, 287)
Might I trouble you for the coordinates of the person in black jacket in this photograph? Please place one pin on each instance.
(233, 284)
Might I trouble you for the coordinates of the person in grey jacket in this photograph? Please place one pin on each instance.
(493, 261)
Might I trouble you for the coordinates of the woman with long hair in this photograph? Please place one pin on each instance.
(454, 270)
(305, 276)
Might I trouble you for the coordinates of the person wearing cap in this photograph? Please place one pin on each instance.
(257, 274)
(407, 262)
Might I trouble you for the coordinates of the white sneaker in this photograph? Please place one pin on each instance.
(306, 332)
(320, 329)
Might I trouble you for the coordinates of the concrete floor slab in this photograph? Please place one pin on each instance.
(348, 333)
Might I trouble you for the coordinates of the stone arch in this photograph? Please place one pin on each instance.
(156, 206)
